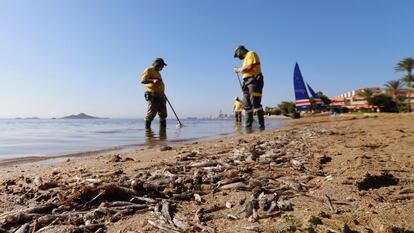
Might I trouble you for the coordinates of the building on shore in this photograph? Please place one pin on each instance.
(220, 115)
(410, 96)
(355, 101)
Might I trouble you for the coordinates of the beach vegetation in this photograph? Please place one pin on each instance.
(364, 110)
(287, 107)
(384, 102)
(325, 99)
(314, 105)
(394, 88)
(272, 111)
(402, 107)
(366, 93)
(336, 109)
(407, 65)
(277, 111)
(344, 110)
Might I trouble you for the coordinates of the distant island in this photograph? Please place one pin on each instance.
(81, 116)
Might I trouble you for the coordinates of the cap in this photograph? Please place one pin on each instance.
(238, 50)
(159, 61)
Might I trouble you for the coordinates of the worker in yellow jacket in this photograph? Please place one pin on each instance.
(252, 84)
(237, 109)
(154, 93)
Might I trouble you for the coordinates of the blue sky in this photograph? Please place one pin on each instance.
(64, 57)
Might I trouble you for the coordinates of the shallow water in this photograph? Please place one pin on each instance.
(45, 137)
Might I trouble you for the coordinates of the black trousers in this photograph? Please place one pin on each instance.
(238, 115)
(252, 92)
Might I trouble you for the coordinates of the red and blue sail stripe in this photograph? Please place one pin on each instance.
(315, 97)
(301, 95)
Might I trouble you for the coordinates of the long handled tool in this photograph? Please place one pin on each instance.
(179, 125)
(238, 77)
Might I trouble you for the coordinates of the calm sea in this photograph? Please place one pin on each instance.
(21, 138)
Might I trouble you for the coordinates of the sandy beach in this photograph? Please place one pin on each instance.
(350, 173)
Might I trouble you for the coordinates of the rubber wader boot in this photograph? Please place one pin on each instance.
(237, 117)
(260, 116)
(163, 123)
(147, 124)
(249, 119)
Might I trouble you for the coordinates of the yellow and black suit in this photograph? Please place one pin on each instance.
(252, 88)
(155, 96)
(238, 108)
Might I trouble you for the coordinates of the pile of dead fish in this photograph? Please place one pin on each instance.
(268, 171)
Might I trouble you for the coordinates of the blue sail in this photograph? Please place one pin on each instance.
(301, 95)
(315, 97)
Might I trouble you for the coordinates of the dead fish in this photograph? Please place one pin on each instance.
(251, 207)
(199, 215)
(232, 217)
(265, 204)
(58, 228)
(198, 198)
(229, 205)
(238, 185)
(181, 223)
(204, 164)
(94, 181)
(242, 200)
(23, 229)
(284, 204)
(38, 181)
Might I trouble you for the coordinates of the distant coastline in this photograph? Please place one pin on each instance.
(73, 116)
(81, 116)
(27, 118)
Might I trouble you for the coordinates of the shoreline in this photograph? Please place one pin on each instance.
(302, 163)
(26, 160)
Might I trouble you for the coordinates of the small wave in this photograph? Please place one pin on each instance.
(108, 131)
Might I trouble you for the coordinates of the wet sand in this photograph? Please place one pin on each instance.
(363, 164)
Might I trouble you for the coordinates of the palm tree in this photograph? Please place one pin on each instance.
(394, 88)
(407, 65)
(325, 99)
(366, 93)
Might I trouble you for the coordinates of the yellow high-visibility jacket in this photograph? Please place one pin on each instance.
(252, 59)
(238, 106)
(149, 74)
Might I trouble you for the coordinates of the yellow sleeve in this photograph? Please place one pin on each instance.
(145, 75)
(251, 59)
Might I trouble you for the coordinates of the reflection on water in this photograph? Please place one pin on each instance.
(152, 139)
(240, 129)
(237, 127)
(158, 137)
